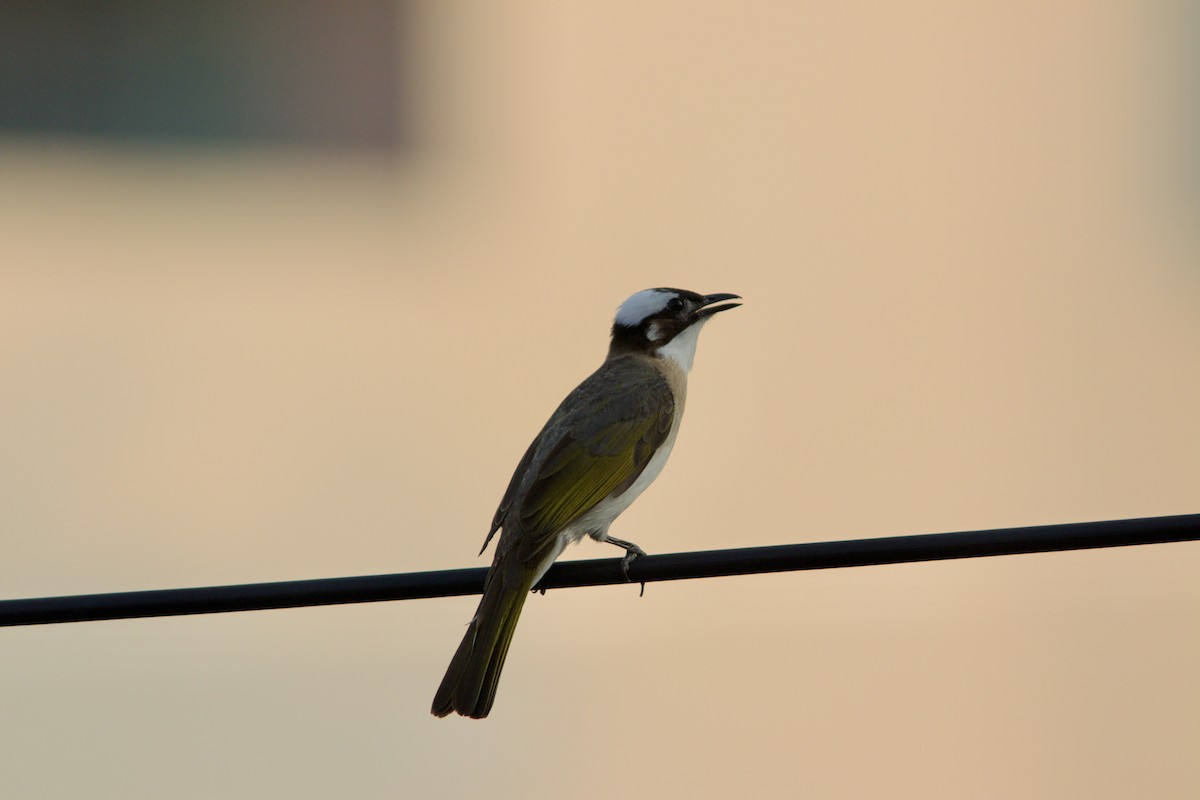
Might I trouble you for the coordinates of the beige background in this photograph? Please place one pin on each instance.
(966, 238)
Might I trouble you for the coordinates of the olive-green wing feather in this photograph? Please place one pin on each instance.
(608, 442)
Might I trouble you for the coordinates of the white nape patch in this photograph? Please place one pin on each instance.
(641, 305)
(682, 349)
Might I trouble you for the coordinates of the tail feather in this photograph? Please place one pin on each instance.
(491, 678)
(469, 686)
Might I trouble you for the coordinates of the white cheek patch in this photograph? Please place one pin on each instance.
(654, 332)
(641, 305)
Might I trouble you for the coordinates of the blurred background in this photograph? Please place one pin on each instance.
(287, 288)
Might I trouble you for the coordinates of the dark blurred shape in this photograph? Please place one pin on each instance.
(292, 71)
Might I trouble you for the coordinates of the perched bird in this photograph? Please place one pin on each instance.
(601, 448)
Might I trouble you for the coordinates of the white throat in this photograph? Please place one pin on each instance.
(682, 349)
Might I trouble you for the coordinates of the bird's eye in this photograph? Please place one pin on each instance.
(675, 304)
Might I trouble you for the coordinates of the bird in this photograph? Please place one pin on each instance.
(604, 444)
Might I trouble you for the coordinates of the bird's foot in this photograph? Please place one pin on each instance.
(630, 556)
(632, 551)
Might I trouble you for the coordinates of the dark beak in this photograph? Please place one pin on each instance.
(708, 308)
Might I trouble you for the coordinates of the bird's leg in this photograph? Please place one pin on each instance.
(632, 551)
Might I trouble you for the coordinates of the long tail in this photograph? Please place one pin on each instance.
(470, 683)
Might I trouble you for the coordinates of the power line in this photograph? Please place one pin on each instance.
(673, 566)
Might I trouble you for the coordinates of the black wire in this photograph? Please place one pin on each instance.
(674, 566)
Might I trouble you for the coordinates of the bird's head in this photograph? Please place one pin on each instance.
(665, 323)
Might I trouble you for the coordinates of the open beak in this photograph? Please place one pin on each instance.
(708, 309)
